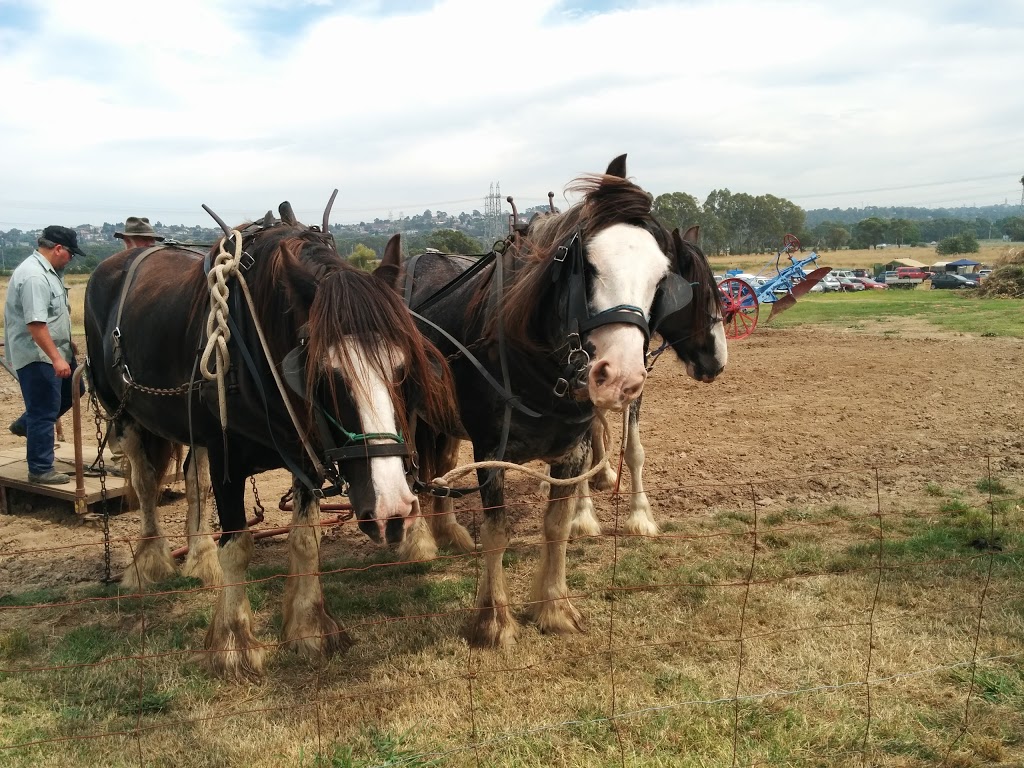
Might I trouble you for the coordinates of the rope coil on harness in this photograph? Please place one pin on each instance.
(225, 266)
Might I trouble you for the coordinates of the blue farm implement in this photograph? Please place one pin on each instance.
(774, 284)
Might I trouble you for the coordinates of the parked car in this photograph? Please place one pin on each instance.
(952, 280)
(981, 274)
(850, 284)
(867, 282)
(830, 283)
(861, 273)
(914, 273)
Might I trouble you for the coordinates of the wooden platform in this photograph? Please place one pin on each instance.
(14, 474)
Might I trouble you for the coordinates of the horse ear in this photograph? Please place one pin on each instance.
(692, 235)
(682, 254)
(287, 214)
(617, 167)
(391, 262)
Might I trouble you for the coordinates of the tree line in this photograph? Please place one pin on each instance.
(743, 223)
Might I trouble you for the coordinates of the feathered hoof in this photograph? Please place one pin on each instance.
(558, 617)
(233, 653)
(458, 538)
(584, 522)
(604, 480)
(418, 545)
(492, 627)
(202, 563)
(153, 563)
(318, 636)
(640, 525)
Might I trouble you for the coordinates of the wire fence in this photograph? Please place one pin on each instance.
(825, 631)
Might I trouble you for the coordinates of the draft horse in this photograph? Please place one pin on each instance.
(696, 334)
(352, 359)
(538, 336)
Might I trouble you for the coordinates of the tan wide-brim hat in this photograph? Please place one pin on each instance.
(138, 226)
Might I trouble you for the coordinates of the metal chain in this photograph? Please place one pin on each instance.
(100, 441)
(258, 510)
(181, 389)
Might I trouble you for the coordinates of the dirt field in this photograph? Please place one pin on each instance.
(819, 407)
(805, 428)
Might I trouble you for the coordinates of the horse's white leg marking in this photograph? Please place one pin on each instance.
(201, 562)
(153, 560)
(232, 649)
(584, 518)
(604, 480)
(308, 628)
(550, 606)
(493, 624)
(641, 519)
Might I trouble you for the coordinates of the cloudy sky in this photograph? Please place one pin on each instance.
(145, 107)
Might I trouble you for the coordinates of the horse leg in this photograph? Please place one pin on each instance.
(549, 603)
(232, 649)
(584, 520)
(307, 627)
(201, 562)
(492, 624)
(148, 455)
(641, 519)
(605, 479)
(445, 526)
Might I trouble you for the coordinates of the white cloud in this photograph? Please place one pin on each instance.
(115, 108)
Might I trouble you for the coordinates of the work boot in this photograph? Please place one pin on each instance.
(53, 477)
(17, 428)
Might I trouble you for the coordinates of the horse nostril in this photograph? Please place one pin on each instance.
(601, 373)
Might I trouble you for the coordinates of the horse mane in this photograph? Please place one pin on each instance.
(607, 200)
(299, 279)
(693, 265)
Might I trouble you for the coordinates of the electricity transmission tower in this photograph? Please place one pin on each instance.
(494, 218)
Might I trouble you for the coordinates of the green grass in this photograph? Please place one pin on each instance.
(945, 309)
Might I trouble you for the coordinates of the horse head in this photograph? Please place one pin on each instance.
(695, 332)
(606, 259)
(360, 361)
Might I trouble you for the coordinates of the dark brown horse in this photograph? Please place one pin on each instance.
(555, 326)
(351, 359)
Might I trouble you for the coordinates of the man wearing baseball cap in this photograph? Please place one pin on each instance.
(37, 338)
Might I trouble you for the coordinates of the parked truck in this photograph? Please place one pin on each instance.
(905, 277)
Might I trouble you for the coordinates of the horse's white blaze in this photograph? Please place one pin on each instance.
(372, 396)
(629, 266)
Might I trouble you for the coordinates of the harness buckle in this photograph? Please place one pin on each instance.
(561, 388)
(247, 261)
(116, 334)
(579, 358)
(560, 253)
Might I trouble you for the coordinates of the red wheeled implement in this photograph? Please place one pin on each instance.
(741, 299)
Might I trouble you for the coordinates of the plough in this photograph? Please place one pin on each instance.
(741, 300)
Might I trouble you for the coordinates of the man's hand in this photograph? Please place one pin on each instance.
(61, 368)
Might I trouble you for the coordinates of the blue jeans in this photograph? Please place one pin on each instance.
(47, 398)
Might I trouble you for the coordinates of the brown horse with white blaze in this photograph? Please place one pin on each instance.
(352, 360)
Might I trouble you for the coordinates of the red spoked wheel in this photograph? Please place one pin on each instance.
(739, 308)
(790, 243)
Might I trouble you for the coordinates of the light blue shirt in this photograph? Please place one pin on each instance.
(36, 294)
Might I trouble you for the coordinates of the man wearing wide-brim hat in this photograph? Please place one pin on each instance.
(138, 233)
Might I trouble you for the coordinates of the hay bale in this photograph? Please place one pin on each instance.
(1006, 280)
